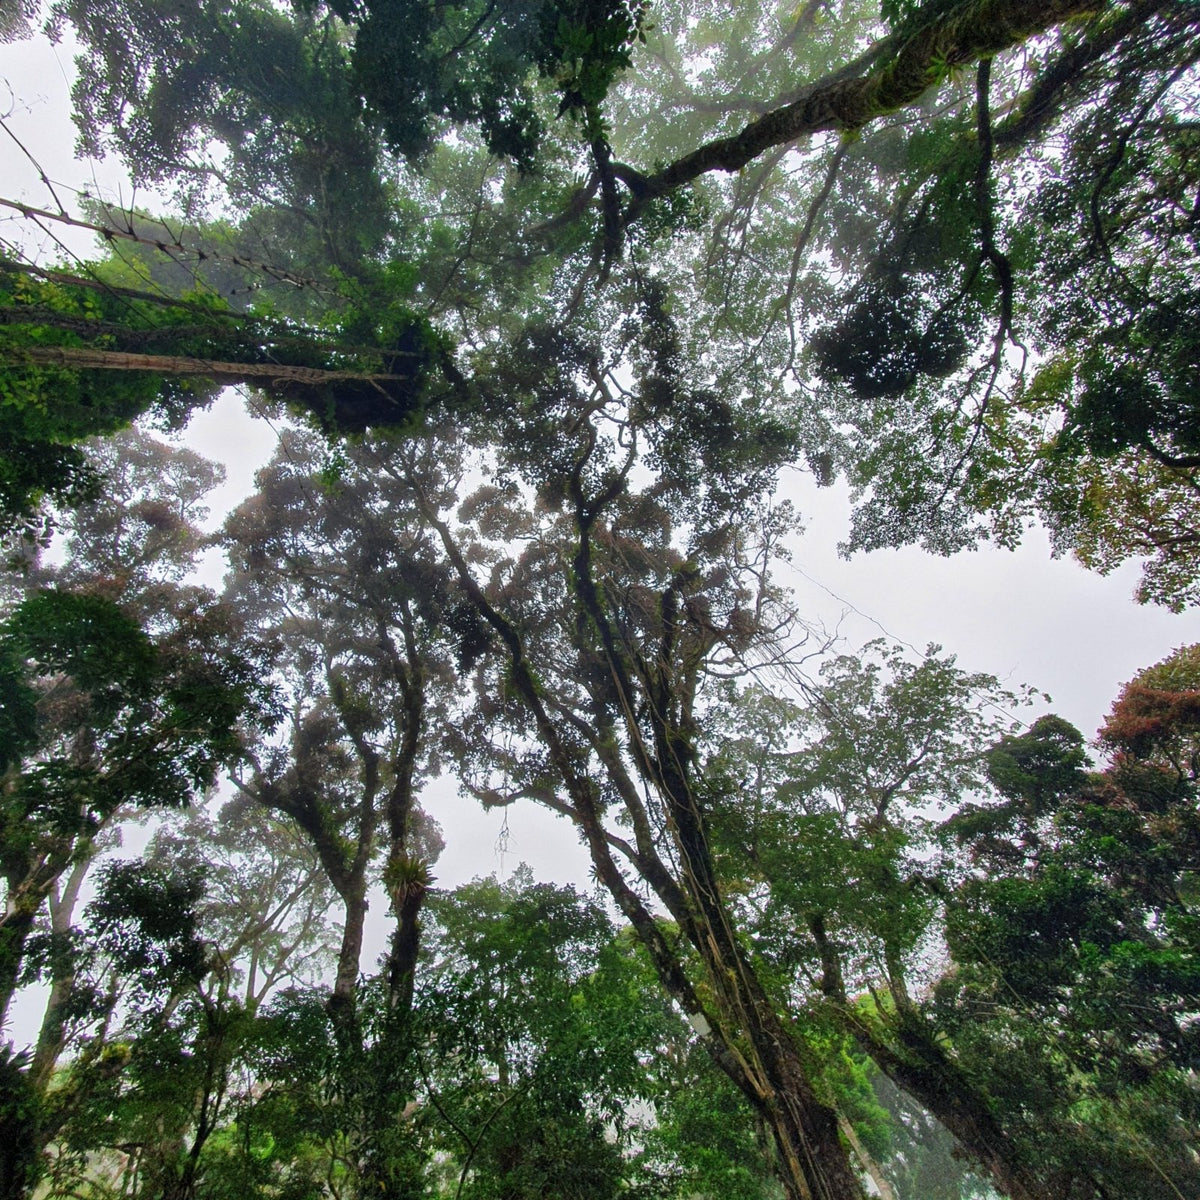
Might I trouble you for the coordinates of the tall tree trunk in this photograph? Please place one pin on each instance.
(915, 1062)
(815, 1163)
(921, 1068)
(51, 1036)
(343, 1000)
(772, 1076)
(408, 899)
(864, 1156)
(407, 875)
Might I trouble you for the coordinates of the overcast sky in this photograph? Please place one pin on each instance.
(1021, 616)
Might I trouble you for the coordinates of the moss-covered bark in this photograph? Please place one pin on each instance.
(898, 77)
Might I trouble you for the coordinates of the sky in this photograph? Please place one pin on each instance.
(1022, 616)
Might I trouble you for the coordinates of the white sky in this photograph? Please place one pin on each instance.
(1021, 616)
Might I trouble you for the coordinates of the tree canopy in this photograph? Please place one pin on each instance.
(546, 298)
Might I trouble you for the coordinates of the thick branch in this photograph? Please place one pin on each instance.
(83, 358)
(171, 245)
(968, 33)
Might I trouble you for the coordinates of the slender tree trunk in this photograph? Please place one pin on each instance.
(409, 881)
(864, 1156)
(51, 1036)
(343, 1004)
(409, 899)
(389, 1172)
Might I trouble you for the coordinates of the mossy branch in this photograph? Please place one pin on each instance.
(970, 32)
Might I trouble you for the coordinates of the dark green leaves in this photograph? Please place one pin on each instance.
(86, 637)
(119, 720)
(416, 62)
(146, 921)
(883, 343)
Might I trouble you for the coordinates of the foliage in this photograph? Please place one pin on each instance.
(88, 358)
(19, 1118)
(46, 411)
(142, 719)
(415, 62)
(124, 689)
(1087, 418)
(1075, 948)
(704, 1140)
(274, 89)
(540, 1034)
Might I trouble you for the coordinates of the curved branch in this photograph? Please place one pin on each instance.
(969, 32)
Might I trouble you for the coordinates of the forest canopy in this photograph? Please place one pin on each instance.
(544, 298)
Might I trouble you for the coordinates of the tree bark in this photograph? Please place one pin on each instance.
(975, 30)
(402, 956)
(770, 1073)
(343, 997)
(864, 1156)
(84, 358)
(51, 1037)
(815, 1164)
(921, 1068)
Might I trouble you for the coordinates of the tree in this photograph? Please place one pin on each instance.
(166, 1066)
(331, 566)
(935, 258)
(360, 614)
(275, 87)
(622, 644)
(124, 689)
(1091, 258)
(536, 1038)
(826, 820)
(132, 544)
(100, 717)
(123, 559)
(1074, 946)
(108, 354)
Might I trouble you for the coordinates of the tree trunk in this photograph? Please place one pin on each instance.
(772, 1077)
(921, 1068)
(343, 999)
(864, 1156)
(402, 955)
(814, 1162)
(51, 1036)
(83, 358)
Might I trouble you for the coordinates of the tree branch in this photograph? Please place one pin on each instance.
(969, 32)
